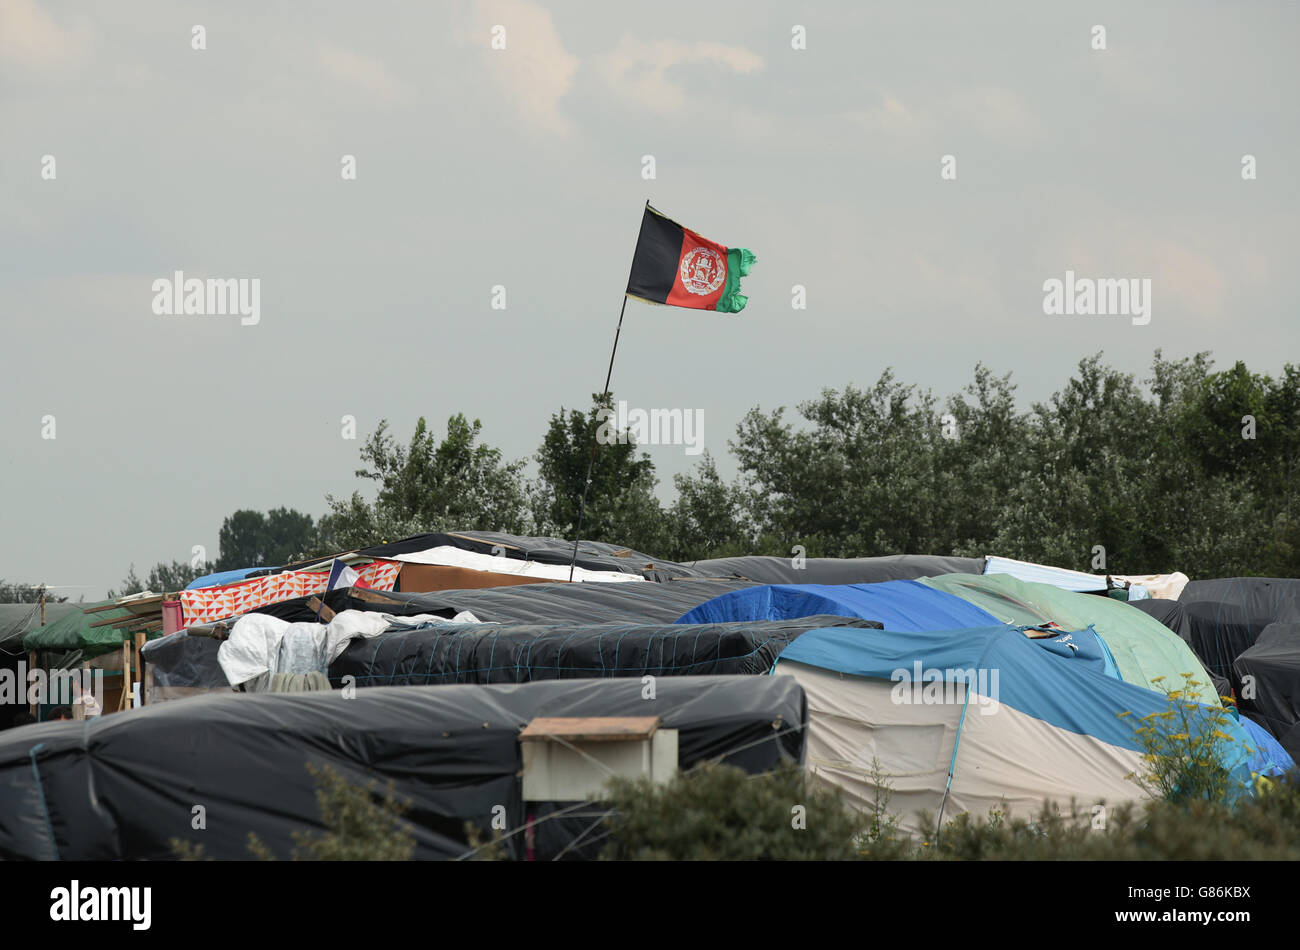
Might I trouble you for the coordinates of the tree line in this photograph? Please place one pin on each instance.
(1188, 469)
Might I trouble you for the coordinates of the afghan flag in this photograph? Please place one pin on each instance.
(673, 265)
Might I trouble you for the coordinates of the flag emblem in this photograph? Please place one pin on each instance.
(703, 270)
(677, 266)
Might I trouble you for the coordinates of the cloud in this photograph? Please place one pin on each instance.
(29, 38)
(998, 113)
(639, 71)
(369, 75)
(534, 71)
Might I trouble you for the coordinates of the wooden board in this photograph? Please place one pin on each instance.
(590, 728)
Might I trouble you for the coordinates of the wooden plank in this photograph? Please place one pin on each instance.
(315, 605)
(374, 596)
(590, 728)
(113, 622)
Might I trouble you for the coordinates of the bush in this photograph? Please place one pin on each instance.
(721, 813)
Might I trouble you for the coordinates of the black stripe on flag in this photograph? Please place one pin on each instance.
(658, 255)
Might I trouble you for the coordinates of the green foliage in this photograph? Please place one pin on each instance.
(1183, 747)
(1155, 471)
(252, 539)
(720, 813)
(359, 826)
(162, 578)
(1158, 473)
(427, 485)
(621, 504)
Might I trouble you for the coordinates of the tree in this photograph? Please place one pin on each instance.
(162, 578)
(427, 486)
(27, 594)
(621, 505)
(709, 517)
(252, 539)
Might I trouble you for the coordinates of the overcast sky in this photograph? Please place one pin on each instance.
(522, 167)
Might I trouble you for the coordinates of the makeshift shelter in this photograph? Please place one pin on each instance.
(1144, 649)
(1175, 616)
(105, 637)
(1271, 670)
(427, 655)
(1260, 600)
(594, 556)
(898, 605)
(971, 720)
(834, 570)
(1059, 577)
(529, 603)
(121, 788)
(18, 620)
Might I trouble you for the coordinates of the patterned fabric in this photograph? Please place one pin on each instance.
(215, 603)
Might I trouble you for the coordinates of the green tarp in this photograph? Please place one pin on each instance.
(1143, 647)
(74, 632)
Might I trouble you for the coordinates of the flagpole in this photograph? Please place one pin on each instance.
(591, 462)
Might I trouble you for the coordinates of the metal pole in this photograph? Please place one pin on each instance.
(591, 462)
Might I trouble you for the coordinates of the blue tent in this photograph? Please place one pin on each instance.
(975, 719)
(899, 605)
(1270, 758)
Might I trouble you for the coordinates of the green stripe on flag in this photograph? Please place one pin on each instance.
(739, 262)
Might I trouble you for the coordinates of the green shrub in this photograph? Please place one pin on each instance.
(1184, 748)
(720, 813)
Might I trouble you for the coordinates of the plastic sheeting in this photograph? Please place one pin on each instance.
(1261, 600)
(592, 555)
(520, 653)
(261, 646)
(898, 605)
(832, 570)
(1144, 649)
(1273, 696)
(1174, 616)
(448, 556)
(122, 786)
(1060, 577)
(536, 603)
(18, 620)
(181, 665)
(1006, 721)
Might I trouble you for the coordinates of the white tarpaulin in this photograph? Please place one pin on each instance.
(1060, 577)
(448, 556)
(261, 646)
(1166, 586)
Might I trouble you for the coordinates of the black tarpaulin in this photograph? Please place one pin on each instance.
(831, 570)
(122, 786)
(520, 653)
(592, 555)
(1260, 600)
(1269, 678)
(630, 602)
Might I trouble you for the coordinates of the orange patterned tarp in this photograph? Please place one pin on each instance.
(216, 603)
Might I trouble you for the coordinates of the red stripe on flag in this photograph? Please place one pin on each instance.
(701, 273)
